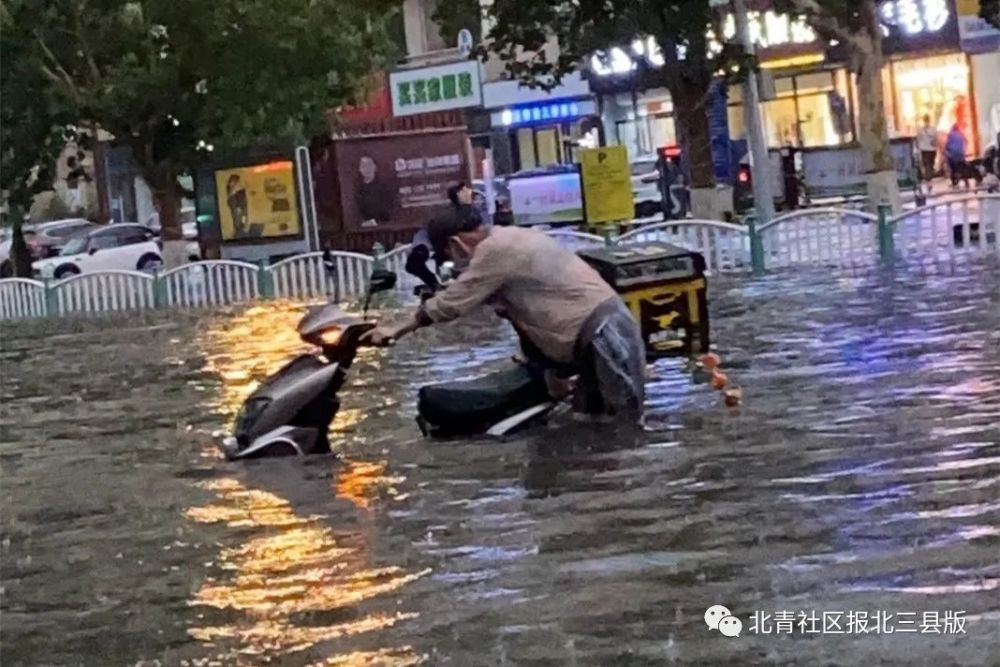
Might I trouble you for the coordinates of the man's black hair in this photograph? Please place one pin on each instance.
(453, 193)
(451, 223)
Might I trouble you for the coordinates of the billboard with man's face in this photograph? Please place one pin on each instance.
(398, 182)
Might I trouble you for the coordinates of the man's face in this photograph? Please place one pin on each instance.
(367, 169)
(465, 195)
(462, 247)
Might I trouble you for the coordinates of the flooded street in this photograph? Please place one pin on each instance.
(861, 474)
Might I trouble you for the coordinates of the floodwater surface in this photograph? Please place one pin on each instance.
(861, 474)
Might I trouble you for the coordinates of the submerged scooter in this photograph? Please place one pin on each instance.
(497, 404)
(290, 413)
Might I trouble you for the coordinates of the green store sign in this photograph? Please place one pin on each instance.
(436, 88)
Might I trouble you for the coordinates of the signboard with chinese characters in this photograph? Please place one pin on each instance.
(257, 201)
(841, 171)
(908, 26)
(400, 181)
(452, 86)
(607, 184)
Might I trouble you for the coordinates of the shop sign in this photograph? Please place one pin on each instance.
(545, 112)
(718, 125)
(607, 184)
(546, 198)
(439, 88)
(773, 32)
(977, 34)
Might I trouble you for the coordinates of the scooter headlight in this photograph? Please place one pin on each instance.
(331, 337)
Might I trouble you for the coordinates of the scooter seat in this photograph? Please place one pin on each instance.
(468, 407)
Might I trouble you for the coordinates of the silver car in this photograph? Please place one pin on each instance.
(44, 239)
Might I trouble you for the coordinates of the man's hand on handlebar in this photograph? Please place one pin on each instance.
(380, 336)
(384, 335)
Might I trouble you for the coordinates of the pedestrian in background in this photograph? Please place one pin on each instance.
(927, 144)
(954, 152)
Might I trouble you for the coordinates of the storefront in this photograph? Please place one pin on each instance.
(981, 41)
(809, 97)
(935, 87)
(527, 128)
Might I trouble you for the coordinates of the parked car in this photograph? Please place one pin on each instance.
(189, 232)
(122, 247)
(44, 239)
(646, 187)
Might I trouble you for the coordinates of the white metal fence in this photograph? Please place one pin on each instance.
(725, 246)
(306, 277)
(107, 291)
(21, 299)
(215, 283)
(832, 236)
(950, 230)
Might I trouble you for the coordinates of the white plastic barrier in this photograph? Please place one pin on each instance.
(820, 237)
(21, 299)
(306, 277)
(107, 291)
(210, 283)
(725, 246)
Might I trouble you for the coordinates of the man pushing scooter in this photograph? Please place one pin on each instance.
(556, 302)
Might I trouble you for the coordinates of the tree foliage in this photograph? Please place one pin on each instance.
(33, 131)
(172, 79)
(522, 29)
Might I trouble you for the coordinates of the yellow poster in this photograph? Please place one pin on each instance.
(607, 185)
(257, 201)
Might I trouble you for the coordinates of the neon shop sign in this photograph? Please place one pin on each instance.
(770, 29)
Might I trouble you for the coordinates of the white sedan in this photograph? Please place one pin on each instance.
(118, 247)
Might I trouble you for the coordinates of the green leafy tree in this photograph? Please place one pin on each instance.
(522, 29)
(33, 131)
(856, 25)
(172, 80)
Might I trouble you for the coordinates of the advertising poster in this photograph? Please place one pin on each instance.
(257, 201)
(834, 171)
(398, 182)
(607, 184)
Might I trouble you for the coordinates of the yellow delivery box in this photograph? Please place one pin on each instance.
(664, 288)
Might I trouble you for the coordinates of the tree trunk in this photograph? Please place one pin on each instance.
(167, 197)
(690, 100)
(691, 113)
(20, 255)
(873, 130)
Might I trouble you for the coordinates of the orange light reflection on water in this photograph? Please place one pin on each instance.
(290, 564)
(293, 566)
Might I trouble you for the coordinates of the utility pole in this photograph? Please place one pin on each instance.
(763, 199)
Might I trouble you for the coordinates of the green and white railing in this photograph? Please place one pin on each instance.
(953, 230)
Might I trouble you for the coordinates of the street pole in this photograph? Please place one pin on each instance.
(763, 199)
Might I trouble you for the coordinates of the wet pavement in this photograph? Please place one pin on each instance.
(862, 474)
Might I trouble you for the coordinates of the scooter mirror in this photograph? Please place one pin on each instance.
(381, 280)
